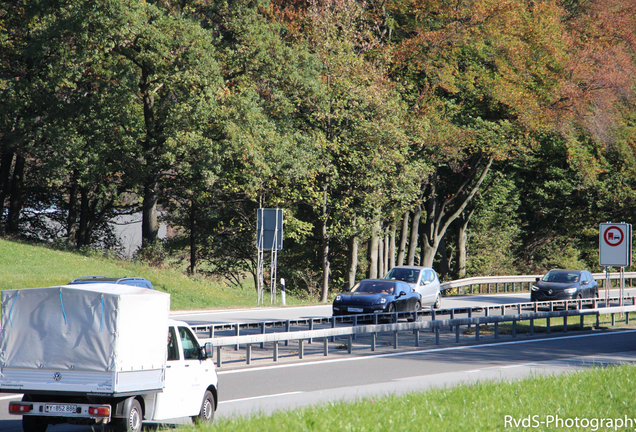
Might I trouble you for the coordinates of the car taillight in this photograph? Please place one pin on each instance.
(19, 408)
(102, 411)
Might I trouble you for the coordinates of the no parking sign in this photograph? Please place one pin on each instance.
(615, 241)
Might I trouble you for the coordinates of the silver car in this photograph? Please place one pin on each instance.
(422, 279)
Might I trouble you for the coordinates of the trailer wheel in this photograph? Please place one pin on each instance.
(132, 421)
(206, 415)
(34, 424)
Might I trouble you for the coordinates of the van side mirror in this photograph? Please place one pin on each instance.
(205, 351)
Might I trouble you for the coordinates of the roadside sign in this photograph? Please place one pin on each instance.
(615, 244)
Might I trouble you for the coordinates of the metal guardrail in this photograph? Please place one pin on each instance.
(433, 325)
(486, 283)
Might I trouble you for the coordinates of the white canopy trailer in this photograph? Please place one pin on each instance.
(97, 353)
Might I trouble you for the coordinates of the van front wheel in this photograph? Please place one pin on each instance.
(206, 415)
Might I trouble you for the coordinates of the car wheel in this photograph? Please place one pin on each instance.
(206, 415)
(34, 424)
(417, 308)
(438, 302)
(390, 310)
(132, 421)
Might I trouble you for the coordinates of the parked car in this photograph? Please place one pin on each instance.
(424, 280)
(560, 284)
(377, 296)
(132, 281)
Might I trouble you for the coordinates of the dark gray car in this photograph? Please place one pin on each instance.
(559, 284)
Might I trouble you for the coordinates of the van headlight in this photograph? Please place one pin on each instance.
(569, 290)
(381, 300)
(338, 298)
(535, 288)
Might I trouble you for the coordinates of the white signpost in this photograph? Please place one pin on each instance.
(615, 250)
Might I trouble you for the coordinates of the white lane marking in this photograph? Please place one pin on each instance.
(260, 397)
(517, 365)
(431, 351)
(11, 397)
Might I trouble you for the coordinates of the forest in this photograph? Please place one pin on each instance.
(477, 137)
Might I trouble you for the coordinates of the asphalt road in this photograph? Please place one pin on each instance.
(273, 313)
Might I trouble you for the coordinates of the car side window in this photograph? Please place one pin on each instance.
(173, 348)
(189, 343)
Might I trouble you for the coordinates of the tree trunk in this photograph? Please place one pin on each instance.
(353, 258)
(16, 199)
(462, 245)
(415, 223)
(149, 223)
(71, 219)
(373, 251)
(82, 233)
(438, 220)
(381, 261)
(193, 243)
(325, 246)
(403, 236)
(391, 251)
(461, 249)
(5, 176)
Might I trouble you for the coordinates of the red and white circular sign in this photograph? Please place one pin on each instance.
(614, 236)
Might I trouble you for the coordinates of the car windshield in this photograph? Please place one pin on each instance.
(403, 274)
(561, 277)
(373, 287)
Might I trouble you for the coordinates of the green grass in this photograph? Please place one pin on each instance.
(30, 266)
(598, 393)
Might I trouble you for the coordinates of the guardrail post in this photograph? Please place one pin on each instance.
(432, 317)
(395, 339)
(613, 320)
(349, 343)
(262, 332)
(598, 320)
(301, 348)
(325, 342)
(416, 335)
(626, 318)
(477, 330)
(547, 325)
(536, 307)
(470, 315)
(248, 353)
(457, 333)
(275, 351)
(582, 322)
(333, 325)
(287, 328)
(373, 338)
(355, 323)
(551, 306)
(487, 311)
(311, 327)
(594, 303)
(219, 362)
(514, 328)
(519, 309)
(531, 327)
(236, 333)
(452, 316)
(503, 309)
(565, 324)
(437, 335)
(211, 331)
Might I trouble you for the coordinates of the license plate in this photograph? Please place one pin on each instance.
(61, 408)
(356, 310)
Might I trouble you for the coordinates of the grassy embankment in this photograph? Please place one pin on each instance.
(28, 266)
(592, 396)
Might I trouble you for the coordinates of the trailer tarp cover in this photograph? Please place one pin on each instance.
(96, 327)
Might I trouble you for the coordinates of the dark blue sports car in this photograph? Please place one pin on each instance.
(377, 296)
